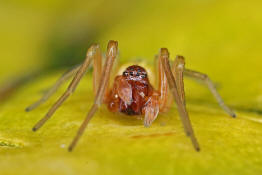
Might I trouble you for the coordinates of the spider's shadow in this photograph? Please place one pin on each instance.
(119, 118)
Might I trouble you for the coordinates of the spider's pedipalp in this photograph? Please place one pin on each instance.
(151, 109)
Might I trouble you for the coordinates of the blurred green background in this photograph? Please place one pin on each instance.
(44, 38)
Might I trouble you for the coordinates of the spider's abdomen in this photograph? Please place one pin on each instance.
(130, 91)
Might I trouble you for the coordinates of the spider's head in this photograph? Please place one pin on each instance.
(135, 73)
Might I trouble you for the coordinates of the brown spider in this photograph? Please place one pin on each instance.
(132, 92)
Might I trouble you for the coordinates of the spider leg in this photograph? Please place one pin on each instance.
(97, 70)
(67, 75)
(160, 101)
(204, 78)
(162, 86)
(71, 88)
(110, 58)
(178, 69)
(164, 56)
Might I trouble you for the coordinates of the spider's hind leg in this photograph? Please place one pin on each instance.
(66, 76)
(205, 79)
(92, 51)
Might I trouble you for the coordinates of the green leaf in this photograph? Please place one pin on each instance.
(117, 144)
(220, 38)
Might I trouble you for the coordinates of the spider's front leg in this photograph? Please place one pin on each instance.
(92, 53)
(176, 86)
(112, 50)
(158, 101)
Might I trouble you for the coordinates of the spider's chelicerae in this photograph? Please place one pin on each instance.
(132, 93)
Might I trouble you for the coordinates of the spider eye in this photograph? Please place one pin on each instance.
(131, 73)
(125, 73)
(143, 75)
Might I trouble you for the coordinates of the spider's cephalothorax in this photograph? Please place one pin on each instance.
(131, 93)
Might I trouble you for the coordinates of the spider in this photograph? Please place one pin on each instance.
(132, 93)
